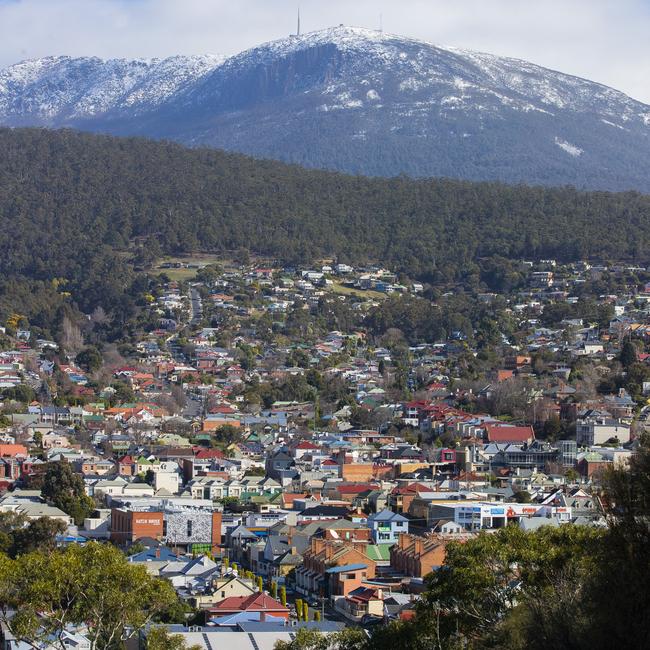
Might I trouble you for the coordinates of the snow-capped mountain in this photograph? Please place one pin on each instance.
(359, 101)
(58, 90)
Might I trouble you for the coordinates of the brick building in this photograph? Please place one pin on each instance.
(312, 576)
(127, 526)
(192, 529)
(417, 556)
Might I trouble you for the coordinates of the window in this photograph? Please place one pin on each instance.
(189, 528)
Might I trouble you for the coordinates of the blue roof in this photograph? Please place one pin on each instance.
(245, 617)
(387, 515)
(347, 567)
(71, 538)
(158, 554)
(257, 626)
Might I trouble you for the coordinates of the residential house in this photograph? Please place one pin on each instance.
(387, 526)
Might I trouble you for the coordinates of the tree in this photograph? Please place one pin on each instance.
(39, 535)
(65, 489)
(350, 638)
(260, 583)
(135, 548)
(485, 579)
(628, 354)
(71, 338)
(21, 393)
(274, 589)
(123, 392)
(298, 358)
(90, 359)
(159, 638)
(522, 496)
(255, 471)
(19, 536)
(552, 428)
(627, 554)
(179, 396)
(92, 585)
(227, 434)
(283, 596)
(571, 475)
(299, 608)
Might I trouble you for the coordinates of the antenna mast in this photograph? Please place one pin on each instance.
(381, 23)
(298, 33)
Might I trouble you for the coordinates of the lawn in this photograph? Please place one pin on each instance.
(184, 274)
(337, 287)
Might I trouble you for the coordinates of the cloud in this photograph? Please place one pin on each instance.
(597, 39)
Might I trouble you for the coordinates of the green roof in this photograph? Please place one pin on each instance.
(379, 552)
(254, 497)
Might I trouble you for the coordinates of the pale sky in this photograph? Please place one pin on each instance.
(602, 40)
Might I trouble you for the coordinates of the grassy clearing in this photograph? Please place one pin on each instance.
(337, 287)
(178, 275)
(183, 274)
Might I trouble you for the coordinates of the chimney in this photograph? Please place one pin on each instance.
(418, 545)
(262, 617)
(158, 553)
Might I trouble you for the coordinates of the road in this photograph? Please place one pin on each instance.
(196, 307)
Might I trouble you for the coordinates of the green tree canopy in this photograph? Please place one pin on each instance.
(65, 490)
(92, 586)
(18, 535)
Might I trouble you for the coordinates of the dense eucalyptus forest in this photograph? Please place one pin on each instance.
(75, 208)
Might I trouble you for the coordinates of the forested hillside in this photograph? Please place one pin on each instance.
(71, 203)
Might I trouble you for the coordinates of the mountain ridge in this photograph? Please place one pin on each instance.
(358, 101)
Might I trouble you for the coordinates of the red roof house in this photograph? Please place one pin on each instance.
(507, 434)
(259, 602)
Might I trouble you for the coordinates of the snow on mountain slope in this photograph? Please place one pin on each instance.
(62, 88)
(359, 101)
(421, 66)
